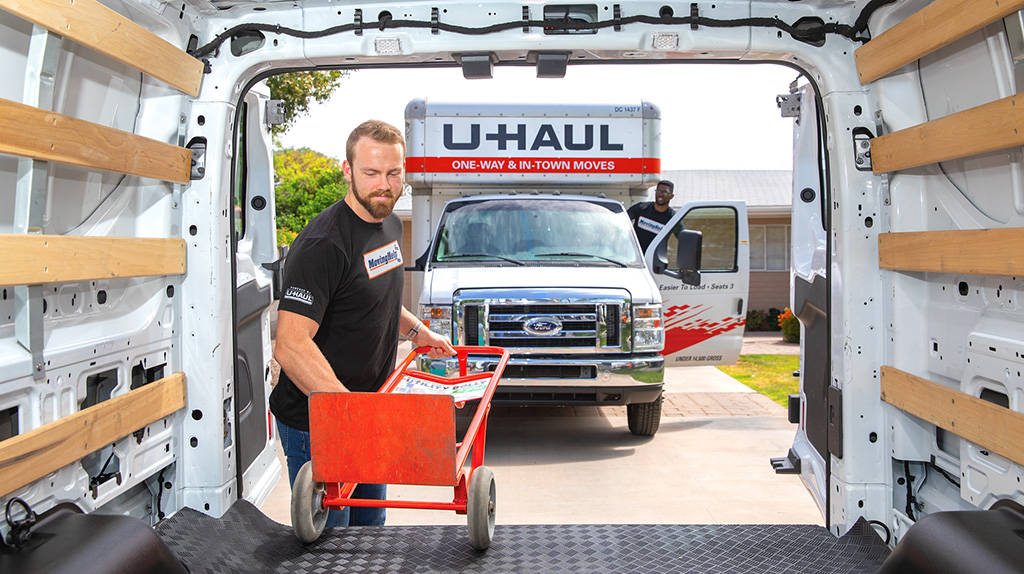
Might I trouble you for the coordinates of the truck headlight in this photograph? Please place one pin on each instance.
(438, 318)
(648, 330)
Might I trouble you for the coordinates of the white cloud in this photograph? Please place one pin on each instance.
(714, 116)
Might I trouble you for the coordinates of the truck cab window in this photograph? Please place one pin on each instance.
(718, 224)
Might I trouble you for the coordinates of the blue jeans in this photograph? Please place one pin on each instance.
(295, 444)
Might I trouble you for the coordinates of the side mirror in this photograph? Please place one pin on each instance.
(688, 256)
(421, 262)
(661, 260)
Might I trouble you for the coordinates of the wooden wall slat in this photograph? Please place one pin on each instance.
(39, 134)
(41, 259)
(989, 127)
(93, 25)
(990, 426)
(970, 251)
(936, 25)
(28, 457)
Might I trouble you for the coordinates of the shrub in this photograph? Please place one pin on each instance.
(756, 320)
(790, 326)
(773, 319)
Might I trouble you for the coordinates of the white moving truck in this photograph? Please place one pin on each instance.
(519, 211)
(136, 214)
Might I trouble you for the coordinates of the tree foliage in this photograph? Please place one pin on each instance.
(298, 88)
(306, 183)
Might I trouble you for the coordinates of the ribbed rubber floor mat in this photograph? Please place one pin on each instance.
(245, 540)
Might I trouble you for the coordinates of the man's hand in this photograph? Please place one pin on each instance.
(439, 346)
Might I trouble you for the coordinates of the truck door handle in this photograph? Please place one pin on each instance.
(739, 306)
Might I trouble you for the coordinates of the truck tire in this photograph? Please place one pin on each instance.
(644, 418)
(308, 514)
(480, 508)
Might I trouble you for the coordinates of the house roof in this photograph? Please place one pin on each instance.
(764, 191)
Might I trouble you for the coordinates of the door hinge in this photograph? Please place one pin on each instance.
(835, 421)
(789, 104)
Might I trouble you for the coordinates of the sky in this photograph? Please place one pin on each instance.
(713, 116)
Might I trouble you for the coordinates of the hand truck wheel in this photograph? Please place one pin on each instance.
(308, 514)
(480, 508)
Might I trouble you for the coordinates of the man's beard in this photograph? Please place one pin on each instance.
(661, 200)
(378, 210)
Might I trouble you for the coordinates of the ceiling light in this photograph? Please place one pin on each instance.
(665, 41)
(387, 45)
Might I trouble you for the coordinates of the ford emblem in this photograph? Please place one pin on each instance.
(543, 326)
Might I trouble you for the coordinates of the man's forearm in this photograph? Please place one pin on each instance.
(307, 367)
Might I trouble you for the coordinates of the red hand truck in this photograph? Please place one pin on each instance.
(402, 434)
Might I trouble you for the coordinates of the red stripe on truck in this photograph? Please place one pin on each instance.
(532, 165)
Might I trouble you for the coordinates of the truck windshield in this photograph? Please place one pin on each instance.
(533, 231)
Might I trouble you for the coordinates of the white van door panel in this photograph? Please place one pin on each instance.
(704, 323)
(255, 243)
(809, 300)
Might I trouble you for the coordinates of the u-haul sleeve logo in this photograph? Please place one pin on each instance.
(650, 225)
(383, 260)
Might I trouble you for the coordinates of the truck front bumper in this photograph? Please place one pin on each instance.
(559, 380)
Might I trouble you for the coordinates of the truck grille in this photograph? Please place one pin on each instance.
(575, 321)
(507, 325)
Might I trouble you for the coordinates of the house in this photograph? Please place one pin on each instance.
(769, 198)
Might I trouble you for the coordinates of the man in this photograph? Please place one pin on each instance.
(341, 313)
(650, 217)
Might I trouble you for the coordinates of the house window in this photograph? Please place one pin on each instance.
(769, 247)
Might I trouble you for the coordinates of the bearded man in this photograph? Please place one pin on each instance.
(341, 311)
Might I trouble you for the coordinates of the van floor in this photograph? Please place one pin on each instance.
(245, 540)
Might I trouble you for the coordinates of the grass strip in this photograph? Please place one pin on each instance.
(770, 375)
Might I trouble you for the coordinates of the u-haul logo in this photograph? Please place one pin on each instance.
(299, 294)
(534, 138)
(650, 225)
(383, 260)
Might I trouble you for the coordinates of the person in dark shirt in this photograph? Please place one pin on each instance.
(341, 311)
(650, 217)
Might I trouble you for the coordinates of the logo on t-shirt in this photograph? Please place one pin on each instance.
(299, 294)
(383, 260)
(650, 225)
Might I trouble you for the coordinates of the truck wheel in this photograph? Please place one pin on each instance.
(308, 514)
(644, 418)
(480, 508)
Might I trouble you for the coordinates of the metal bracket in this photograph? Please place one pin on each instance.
(358, 21)
(198, 149)
(275, 112)
(789, 104)
(862, 149)
(30, 194)
(435, 21)
(879, 130)
(694, 16)
(835, 421)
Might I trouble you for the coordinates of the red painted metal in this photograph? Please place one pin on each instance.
(391, 438)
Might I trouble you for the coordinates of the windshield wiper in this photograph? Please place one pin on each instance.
(571, 254)
(502, 257)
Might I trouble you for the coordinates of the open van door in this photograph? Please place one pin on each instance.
(809, 300)
(703, 322)
(255, 243)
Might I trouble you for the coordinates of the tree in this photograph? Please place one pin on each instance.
(297, 88)
(306, 183)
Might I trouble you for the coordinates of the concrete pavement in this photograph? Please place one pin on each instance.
(708, 463)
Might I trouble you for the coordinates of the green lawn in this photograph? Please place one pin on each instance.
(770, 375)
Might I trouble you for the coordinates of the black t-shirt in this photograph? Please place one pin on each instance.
(648, 221)
(345, 274)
